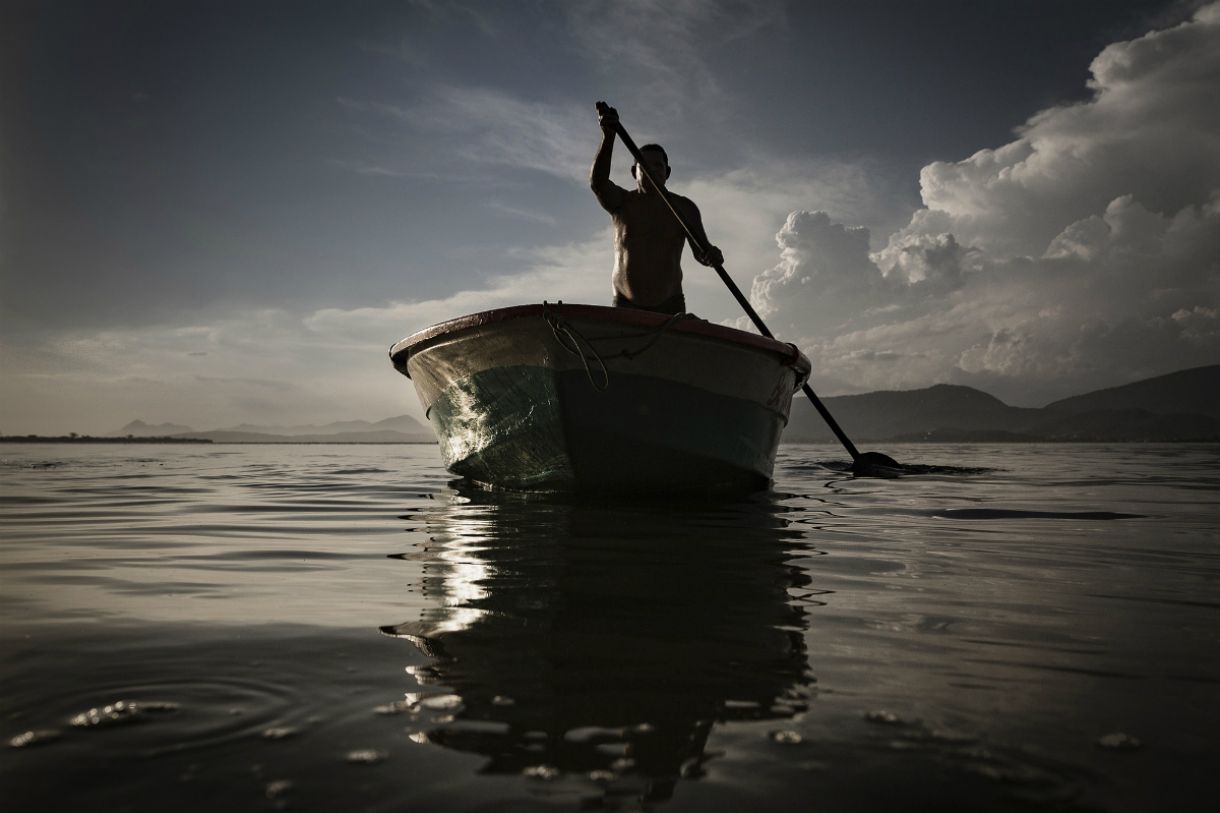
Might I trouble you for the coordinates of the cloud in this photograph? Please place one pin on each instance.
(743, 206)
(664, 52)
(314, 367)
(1085, 253)
(484, 126)
(1150, 131)
(664, 49)
(1137, 295)
(524, 214)
(219, 370)
(97, 381)
(818, 255)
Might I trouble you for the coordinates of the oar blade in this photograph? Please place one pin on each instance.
(876, 464)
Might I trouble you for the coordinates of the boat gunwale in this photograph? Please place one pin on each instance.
(402, 350)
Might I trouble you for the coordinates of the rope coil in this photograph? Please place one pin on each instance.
(570, 339)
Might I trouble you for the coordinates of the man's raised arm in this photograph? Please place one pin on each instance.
(609, 194)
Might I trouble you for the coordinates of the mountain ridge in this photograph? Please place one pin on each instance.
(1192, 391)
(1179, 406)
(395, 429)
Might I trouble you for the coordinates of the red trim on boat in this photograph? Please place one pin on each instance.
(402, 350)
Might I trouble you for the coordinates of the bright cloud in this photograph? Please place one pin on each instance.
(1085, 252)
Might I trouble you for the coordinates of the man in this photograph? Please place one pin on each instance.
(648, 239)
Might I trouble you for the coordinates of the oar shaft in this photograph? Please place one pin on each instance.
(733, 289)
(831, 422)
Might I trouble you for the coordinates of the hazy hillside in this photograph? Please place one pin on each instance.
(1177, 407)
(1128, 424)
(1182, 406)
(1187, 391)
(139, 429)
(370, 436)
(880, 415)
(400, 423)
(398, 429)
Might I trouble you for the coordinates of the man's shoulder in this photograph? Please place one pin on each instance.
(681, 201)
(609, 194)
(672, 197)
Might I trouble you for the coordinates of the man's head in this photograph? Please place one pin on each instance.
(657, 164)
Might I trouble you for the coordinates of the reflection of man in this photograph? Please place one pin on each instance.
(647, 237)
(521, 606)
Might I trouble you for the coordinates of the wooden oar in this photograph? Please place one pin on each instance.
(862, 463)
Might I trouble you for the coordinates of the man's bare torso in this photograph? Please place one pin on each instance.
(648, 243)
(648, 238)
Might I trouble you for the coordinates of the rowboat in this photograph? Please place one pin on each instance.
(587, 398)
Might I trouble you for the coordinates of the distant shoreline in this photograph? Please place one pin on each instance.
(1008, 442)
(92, 439)
(793, 442)
(286, 442)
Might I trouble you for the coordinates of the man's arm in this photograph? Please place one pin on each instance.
(713, 257)
(609, 194)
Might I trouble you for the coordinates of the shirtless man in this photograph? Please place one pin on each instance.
(648, 239)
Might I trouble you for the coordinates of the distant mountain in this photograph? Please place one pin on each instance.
(1177, 407)
(403, 424)
(398, 429)
(372, 436)
(139, 429)
(1129, 424)
(1196, 391)
(909, 414)
(1182, 406)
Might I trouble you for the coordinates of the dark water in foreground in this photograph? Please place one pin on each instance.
(336, 627)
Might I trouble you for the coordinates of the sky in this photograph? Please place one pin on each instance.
(223, 212)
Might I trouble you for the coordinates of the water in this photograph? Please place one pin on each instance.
(339, 627)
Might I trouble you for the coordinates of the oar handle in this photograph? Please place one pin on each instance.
(732, 286)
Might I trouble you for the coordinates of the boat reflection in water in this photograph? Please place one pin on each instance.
(604, 642)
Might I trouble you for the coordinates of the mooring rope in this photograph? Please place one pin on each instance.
(570, 339)
(655, 333)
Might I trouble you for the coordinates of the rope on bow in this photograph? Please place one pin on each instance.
(569, 338)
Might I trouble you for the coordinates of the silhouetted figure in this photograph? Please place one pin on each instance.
(647, 237)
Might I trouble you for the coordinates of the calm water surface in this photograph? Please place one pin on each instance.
(340, 627)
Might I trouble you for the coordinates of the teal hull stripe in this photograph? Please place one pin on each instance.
(533, 427)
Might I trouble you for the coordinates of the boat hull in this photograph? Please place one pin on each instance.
(585, 398)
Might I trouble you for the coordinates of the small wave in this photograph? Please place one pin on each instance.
(1012, 513)
(9, 463)
(119, 713)
(905, 469)
(916, 468)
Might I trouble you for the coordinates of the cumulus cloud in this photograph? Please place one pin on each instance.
(826, 261)
(1150, 131)
(1084, 253)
